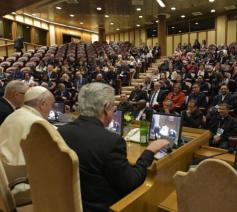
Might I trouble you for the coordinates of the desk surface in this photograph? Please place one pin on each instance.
(159, 183)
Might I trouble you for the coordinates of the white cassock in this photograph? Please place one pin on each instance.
(15, 128)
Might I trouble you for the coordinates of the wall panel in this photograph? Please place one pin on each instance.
(177, 40)
(202, 36)
(192, 37)
(169, 45)
(231, 31)
(137, 37)
(185, 38)
(211, 37)
(221, 29)
(121, 36)
(131, 34)
(126, 36)
(143, 36)
(116, 36)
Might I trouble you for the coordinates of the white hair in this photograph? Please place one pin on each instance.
(93, 97)
(13, 86)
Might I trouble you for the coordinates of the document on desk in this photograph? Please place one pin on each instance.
(133, 135)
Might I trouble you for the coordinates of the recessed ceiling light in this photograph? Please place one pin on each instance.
(71, 15)
(81, 23)
(117, 29)
(139, 9)
(27, 27)
(173, 27)
(173, 8)
(212, 11)
(58, 8)
(182, 16)
(140, 16)
(211, 1)
(111, 23)
(161, 3)
(106, 16)
(138, 25)
(154, 30)
(33, 14)
(99, 8)
(180, 31)
(196, 23)
(157, 21)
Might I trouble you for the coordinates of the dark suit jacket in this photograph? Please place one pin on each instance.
(160, 97)
(147, 111)
(229, 99)
(194, 120)
(137, 95)
(5, 109)
(105, 173)
(200, 98)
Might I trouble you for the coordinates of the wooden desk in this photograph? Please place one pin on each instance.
(159, 182)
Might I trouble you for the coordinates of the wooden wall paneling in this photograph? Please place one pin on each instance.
(126, 36)
(169, 45)
(193, 37)
(184, 38)
(177, 40)
(116, 37)
(231, 31)
(202, 36)
(211, 37)
(221, 30)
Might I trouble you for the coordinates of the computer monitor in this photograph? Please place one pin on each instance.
(166, 126)
(57, 110)
(116, 125)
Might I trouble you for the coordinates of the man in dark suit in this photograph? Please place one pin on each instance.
(157, 96)
(222, 126)
(13, 98)
(140, 109)
(137, 94)
(105, 173)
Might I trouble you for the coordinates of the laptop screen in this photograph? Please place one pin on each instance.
(166, 126)
(57, 110)
(116, 123)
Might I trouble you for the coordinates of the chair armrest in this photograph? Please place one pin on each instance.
(18, 181)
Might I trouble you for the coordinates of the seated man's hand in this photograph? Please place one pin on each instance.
(156, 146)
(216, 139)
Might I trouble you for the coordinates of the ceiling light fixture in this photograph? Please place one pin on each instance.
(106, 16)
(157, 21)
(117, 29)
(111, 23)
(140, 16)
(211, 1)
(196, 23)
(161, 3)
(99, 8)
(58, 8)
(81, 23)
(71, 15)
(139, 9)
(182, 16)
(212, 11)
(173, 8)
(180, 31)
(172, 27)
(138, 25)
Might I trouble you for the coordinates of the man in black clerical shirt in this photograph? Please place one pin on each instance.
(222, 126)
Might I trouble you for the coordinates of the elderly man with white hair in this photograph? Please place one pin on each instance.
(38, 101)
(105, 173)
(13, 98)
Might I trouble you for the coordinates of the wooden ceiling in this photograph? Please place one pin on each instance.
(122, 13)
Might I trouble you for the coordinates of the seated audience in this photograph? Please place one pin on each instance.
(157, 96)
(192, 117)
(13, 98)
(124, 105)
(140, 109)
(105, 173)
(222, 125)
(38, 101)
(137, 94)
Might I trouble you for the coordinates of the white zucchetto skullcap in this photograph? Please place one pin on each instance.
(34, 93)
